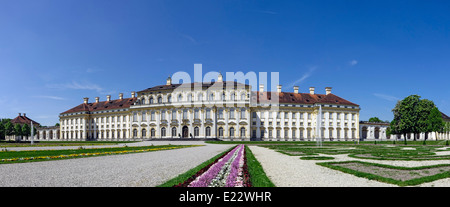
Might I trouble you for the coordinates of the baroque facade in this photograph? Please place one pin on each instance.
(226, 110)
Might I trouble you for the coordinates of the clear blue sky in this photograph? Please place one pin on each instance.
(372, 52)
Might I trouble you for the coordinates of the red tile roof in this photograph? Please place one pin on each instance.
(445, 117)
(193, 85)
(299, 98)
(24, 120)
(103, 105)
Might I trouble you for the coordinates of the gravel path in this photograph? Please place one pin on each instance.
(291, 171)
(137, 169)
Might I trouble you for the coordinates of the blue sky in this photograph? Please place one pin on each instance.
(373, 53)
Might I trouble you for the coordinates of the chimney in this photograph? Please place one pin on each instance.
(120, 96)
(295, 89)
(328, 90)
(20, 114)
(97, 99)
(261, 88)
(311, 90)
(220, 78)
(24, 114)
(169, 81)
(86, 100)
(279, 88)
(133, 94)
(108, 98)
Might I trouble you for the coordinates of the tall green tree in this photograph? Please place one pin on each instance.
(9, 129)
(2, 130)
(405, 116)
(26, 130)
(413, 115)
(435, 122)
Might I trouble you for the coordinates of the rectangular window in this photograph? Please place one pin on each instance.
(196, 114)
(220, 114)
(208, 113)
(143, 116)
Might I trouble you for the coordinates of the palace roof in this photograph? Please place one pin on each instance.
(102, 105)
(299, 98)
(192, 86)
(445, 117)
(23, 119)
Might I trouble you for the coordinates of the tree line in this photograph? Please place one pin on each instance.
(7, 128)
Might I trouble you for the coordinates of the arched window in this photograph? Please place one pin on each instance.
(134, 133)
(163, 132)
(152, 132)
(151, 100)
(144, 133)
(233, 96)
(242, 113)
(159, 99)
(242, 131)
(196, 131)
(169, 98)
(208, 131)
(211, 97)
(180, 97)
(242, 96)
(231, 132)
(200, 97)
(189, 97)
(174, 132)
(220, 132)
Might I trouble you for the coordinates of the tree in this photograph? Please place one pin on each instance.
(405, 116)
(435, 122)
(26, 130)
(9, 129)
(375, 119)
(2, 130)
(18, 131)
(413, 115)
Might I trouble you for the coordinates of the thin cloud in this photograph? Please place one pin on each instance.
(190, 38)
(304, 76)
(50, 97)
(386, 97)
(353, 62)
(266, 12)
(77, 86)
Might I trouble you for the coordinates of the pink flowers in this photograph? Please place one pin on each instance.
(227, 171)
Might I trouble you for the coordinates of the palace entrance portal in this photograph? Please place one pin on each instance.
(185, 132)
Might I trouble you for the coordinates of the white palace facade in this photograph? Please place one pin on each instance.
(226, 110)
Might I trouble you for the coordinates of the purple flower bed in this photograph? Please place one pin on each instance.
(229, 170)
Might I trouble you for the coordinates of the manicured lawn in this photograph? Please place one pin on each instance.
(43, 155)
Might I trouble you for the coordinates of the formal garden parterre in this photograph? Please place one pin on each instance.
(382, 151)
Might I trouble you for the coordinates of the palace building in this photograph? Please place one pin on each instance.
(225, 110)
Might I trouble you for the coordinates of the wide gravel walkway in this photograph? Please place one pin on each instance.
(137, 169)
(291, 171)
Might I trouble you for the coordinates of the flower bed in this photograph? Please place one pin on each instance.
(229, 170)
